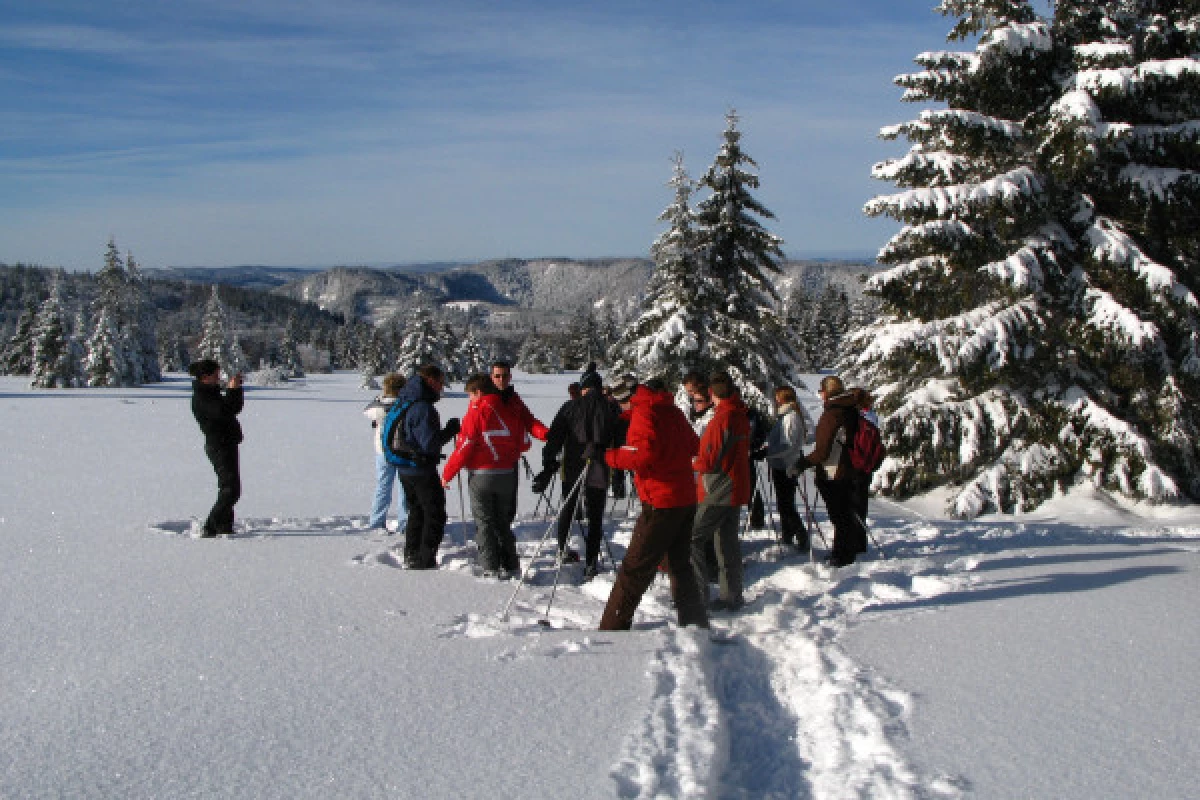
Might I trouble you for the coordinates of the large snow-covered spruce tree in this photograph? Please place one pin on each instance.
(668, 338)
(1039, 322)
(744, 332)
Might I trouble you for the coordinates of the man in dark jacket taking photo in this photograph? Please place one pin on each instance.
(216, 411)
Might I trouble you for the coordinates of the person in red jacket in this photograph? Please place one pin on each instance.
(501, 373)
(658, 450)
(489, 446)
(723, 487)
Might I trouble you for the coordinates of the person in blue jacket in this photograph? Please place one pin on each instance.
(425, 436)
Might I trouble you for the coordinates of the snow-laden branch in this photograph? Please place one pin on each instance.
(930, 122)
(987, 331)
(1106, 313)
(1109, 242)
(1128, 80)
(949, 166)
(945, 230)
(1156, 181)
(1015, 38)
(1003, 189)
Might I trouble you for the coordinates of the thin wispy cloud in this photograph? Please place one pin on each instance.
(135, 112)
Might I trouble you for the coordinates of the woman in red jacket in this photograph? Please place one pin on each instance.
(489, 445)
(658, 450)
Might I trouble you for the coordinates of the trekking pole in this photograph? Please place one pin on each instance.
(562, 550)
(777, 520)
(874, 541)
(462, 511)
(529, 566)
(810, 513)
(551, 511)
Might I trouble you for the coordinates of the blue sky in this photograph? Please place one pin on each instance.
(363, 131)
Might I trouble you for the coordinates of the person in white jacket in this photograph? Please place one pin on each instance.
(785, 443)
(385, 471)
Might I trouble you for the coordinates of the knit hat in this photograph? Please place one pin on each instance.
(591, 380)
(624, 389)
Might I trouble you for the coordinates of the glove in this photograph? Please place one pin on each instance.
(541, 481)
(453, 426)
(797, 469)
(618, 484)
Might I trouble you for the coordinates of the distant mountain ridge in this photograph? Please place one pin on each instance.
(546, 288)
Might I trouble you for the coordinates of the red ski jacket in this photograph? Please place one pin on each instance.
(658, 450)
(492, 438)
(723, 464)
(533, 425)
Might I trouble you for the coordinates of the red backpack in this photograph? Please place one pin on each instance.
(866, 450)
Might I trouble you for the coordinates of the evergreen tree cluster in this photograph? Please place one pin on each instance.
(1040, 308)
(119, 329)
(711, 302)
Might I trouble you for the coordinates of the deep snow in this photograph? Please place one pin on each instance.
(1050, 655)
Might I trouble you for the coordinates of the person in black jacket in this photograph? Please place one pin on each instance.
(582, 430)
(216, 411)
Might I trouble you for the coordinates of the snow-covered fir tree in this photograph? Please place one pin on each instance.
(214, 336)
(817, 324)
(424, 342)
(18, 353)
(172, 350)
(1040, 321)
(744, 333)
(538, 355)
(52, 363)
(668, 337)
(238, 363)
(143, 324)
(104, 364)
(77, 338)
(583, 341)
(453, 364)
(112, 304)
(473, 359)
(289, 349)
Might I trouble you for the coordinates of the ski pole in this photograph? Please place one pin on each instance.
(462, 512)
(529, 566)
(562, 549)
(777, 520)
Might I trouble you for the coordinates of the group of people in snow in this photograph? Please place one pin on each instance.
(693, 469)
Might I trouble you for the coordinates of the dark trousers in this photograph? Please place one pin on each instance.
(593, 505)
(716, 527)
(491, 506)
(426, 519)
(224, 459)
(758, 509)
(657, 533)
(785, 501)
(841, 502)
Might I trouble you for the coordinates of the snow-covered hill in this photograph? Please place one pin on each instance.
(1049, 655)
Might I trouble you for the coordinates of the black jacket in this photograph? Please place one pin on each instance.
(216, 410)
(582, 429)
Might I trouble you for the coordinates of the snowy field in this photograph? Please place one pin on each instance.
(1052, 655)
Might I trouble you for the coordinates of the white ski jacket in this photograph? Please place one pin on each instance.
(785, 440)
